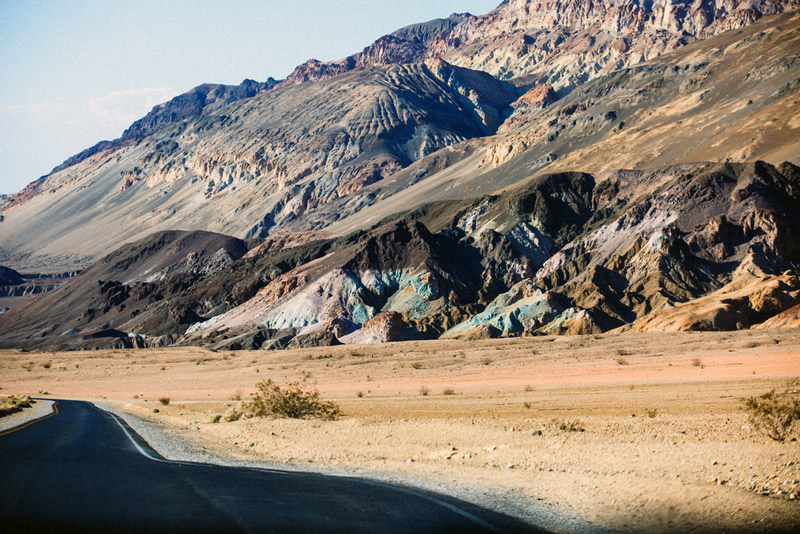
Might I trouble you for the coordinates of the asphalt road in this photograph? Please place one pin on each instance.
(84, 470)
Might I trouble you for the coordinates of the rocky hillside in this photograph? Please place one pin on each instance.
(563, 43)
(144, 282)
(256, 163)
(392, 197)
(729, 98)
(712, 248)
(201, 100)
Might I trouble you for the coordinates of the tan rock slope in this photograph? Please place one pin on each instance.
(730, 98)
(563, 43)
(255, 163)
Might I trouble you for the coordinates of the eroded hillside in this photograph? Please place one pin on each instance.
(424, 200)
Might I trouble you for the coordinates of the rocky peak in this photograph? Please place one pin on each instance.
(563, 42)
(406, 45)
(203, 99)
(10, 277)
(623, 16)
(403, 243)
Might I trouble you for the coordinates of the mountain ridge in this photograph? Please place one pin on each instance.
(444, 38)
(524, 38)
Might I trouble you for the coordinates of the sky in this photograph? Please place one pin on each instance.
(73, 73)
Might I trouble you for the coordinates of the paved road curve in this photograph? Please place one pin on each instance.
(80, 470)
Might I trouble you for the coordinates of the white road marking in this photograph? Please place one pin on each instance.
(407, 491)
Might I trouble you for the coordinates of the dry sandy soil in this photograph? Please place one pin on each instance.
(660, 442)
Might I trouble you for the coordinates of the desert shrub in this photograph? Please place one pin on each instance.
(622, 361)
(697, 362)
(651, 413)
(164, 400)
(295, 401)
(216, 418)
(14, 403)
(424, 390)
(232, 415)
(46, 365)
(774, 413)
(569, 425)
(417, 365)
(449, 391)
(486, 361)
(23, 401)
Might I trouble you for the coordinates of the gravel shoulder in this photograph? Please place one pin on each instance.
(173, 447)
(40, 409)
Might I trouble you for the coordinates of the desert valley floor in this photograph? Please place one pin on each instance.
(630, 432)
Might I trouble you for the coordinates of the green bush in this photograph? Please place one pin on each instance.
(295, 401)
(24, 402)
(774, 413)
(14, 403)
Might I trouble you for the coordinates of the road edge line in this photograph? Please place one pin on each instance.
(401, 489)
(136, 444)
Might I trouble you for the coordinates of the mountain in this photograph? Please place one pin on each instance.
(116, 288)
(201, 100)
(395, 197)
(729, 98)
(251, 159)
(714, 248)
(256, 163)
(563, 43)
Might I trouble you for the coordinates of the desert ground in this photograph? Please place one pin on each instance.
(625, 432)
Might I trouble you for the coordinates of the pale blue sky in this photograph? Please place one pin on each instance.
(75, 72)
